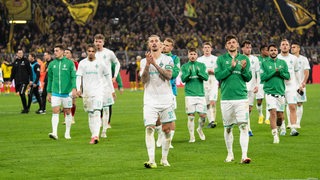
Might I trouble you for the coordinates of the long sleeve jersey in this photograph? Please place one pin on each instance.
(21, 71)
(233, 79)
(193, 74)
(273, 74)
(61, 77)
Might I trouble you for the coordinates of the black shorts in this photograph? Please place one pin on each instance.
(6, 79)
(21, 88)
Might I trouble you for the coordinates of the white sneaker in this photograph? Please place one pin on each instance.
(67, 136)
(164, 163)
(53, 136)
(103, 134)
(201, 135)
(171, 147)
(276, 139)
(159, 140)
(283, 132)
(192, 139)
(229, 158)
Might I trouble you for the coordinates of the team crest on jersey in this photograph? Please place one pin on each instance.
(161, 64)
(64, 67)
(227, 62)
(291, 62)
(97, 66)
(270, 67)
(54, 66)
(104, 57)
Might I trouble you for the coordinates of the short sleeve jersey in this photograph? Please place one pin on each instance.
(211, 64)
(93, 75)
(157, 92)
(293, 67)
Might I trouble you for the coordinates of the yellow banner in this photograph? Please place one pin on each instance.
(82, 12)
(295, 16)
(19, 9)
(190, 12)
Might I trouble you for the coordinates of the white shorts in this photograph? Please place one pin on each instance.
(211, 94)
(66, 102)
(174, 102)
(275, 102)
(251, 95)
(151, 114)
(195, 104)
(260, 93)
(302, 98)
(234, 112)
(92, 103)
(291, 96)
(107, 100)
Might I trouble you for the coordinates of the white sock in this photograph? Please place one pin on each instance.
(228, 137)
(191, 125)
(96, 123)
(274, 132)
(248, 125)
(68, 120)
(259, 108)
(267, 114)
(210, 114)
(214, 110)
(91, 123)
(165, 145)
(201, 122)
(244, 140)
(299, 114)
(105, 119)
(283, 126)
(172, 134)
(150, 143)
(288, 115)
(55, 122)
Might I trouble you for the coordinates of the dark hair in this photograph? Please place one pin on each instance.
(245, 42)
(68, 49)
(33, 55)
(192, 49)
(263, 46)
(272, 45)
(229, 37)
(59, 46)
(91, 46)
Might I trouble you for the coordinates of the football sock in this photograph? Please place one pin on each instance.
(150, 143)
(105, 118)
(96, 123)
(244, 139)
(54, 122)
(165, 145)
(210, 114)
(299, 114)
(228, 137)
(68, 120)
(259, 108)
(288, 115)
(191, 125)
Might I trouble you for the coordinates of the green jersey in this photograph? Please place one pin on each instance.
(233, 79)
(261, 60)
(193, 74)
(61, 77)
(273, 73)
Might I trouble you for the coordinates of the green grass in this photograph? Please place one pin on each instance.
(26, 152)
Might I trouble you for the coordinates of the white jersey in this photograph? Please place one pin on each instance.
(92, 76)
(211, 64)
(158, 93)
(293, 68)
(255, 70)
(304, 65)
(108, 57)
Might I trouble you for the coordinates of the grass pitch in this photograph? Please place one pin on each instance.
(26, 152)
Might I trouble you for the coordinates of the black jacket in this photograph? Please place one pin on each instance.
(21, 71)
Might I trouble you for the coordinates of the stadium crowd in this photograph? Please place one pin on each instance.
(126, 24)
